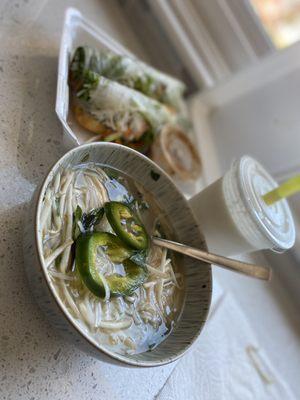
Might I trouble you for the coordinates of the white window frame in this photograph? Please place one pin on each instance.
(214, 38)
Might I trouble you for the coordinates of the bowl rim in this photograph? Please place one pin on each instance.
(115, 356)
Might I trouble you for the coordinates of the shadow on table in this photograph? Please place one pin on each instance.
(28, 343)
(40, 137)
(279, 289)
(286, 289)
(27, 340)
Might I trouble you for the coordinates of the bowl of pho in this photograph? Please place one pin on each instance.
(92, 265)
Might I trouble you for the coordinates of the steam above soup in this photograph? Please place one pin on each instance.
(119, 288)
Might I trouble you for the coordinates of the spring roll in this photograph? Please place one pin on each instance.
(116, 111)
(129, 72)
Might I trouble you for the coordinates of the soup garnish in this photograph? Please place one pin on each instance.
(87, 251)
(126, 225)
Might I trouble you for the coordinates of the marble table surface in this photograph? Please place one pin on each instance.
(35, 363)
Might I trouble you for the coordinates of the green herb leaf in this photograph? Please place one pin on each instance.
(84, 158)
(143, 144)
(87, 220)
(57, 203)
(129, 200)
(111, 173)
(143, 205)
(92, 218)
(77, 64)
(77, 215)
(90, 81)
(139, 257)
(57, 261)
(152, 346)
(154, 175)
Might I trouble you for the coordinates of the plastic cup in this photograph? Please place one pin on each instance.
(234, 217)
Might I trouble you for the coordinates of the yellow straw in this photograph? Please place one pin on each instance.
(287, 189)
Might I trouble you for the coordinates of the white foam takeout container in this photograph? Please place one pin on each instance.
(78, 31)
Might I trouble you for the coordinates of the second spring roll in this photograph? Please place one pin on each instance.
(109, 108)
(129, 72)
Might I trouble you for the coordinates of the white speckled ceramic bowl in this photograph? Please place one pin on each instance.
(197, 274)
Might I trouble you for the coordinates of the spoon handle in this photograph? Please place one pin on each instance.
(256, 271)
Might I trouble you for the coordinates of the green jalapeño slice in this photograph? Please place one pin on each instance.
(125, 285)
(86, 256)
(126, 225)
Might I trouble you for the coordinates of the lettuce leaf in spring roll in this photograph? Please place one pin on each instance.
(129, 72)
(119, 113)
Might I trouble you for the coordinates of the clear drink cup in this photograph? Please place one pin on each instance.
(234, 217)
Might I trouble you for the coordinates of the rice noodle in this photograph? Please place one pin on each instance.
(60, 275)
(56, 184)
(173, 276)
(102, 173)
(113, 339)
(94, 201)
(63, 179)
(86, 314)
(130, 299)
(49, 260)
(116, 325)
(119, 302)
(63, 192)
(65, 185)
(46, 211)
(97, 314)
(68, 231)
(136, 318)
(163, 260)
(100, 187)
(158, 291)
(106, 310)
(168, 282)
(149, 284)
(129, 342)
(53, 232)
(70, 301)
(156, 272)
(106, 287)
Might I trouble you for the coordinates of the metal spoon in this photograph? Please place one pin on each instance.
(256, 271)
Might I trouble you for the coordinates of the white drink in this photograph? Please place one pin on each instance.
(235, 219)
